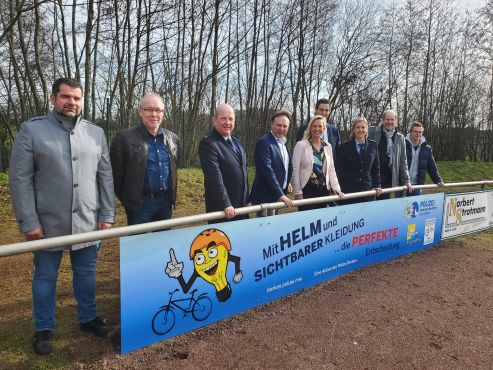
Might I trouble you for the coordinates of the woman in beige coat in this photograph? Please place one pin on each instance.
(314, 173)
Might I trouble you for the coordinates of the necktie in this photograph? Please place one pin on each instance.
(230, 144)
(361, 150)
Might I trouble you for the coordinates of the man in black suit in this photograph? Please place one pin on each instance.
(224, 165)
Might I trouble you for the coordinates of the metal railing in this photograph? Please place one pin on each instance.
(60, 241)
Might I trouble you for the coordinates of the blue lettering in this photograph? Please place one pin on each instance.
(296, 236)
(285, 242)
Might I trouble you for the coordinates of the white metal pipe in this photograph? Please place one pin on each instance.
(60, 241)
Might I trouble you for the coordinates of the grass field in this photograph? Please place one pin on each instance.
(15, 274)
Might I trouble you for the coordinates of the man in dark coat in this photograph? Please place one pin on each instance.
(420, 158)
(224, 165)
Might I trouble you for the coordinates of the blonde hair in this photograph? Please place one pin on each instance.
(307, 134)
(355, 122)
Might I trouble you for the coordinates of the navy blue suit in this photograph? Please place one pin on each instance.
(332, 134)
(269, 171)
(356, 174)
(225, 173)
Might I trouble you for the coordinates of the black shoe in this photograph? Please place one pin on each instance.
(97, 326)
(43, 344)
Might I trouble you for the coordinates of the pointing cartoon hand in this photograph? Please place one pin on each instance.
(237, 278)
(173, 268)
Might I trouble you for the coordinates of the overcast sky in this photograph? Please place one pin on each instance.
(464, 4)
(470, 4)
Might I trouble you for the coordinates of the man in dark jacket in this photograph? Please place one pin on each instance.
(331, 133)
(273, 166)
(420, 158)
(144, 160)
(224, 165)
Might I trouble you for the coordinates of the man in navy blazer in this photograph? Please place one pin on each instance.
(273, 166)
(224, 165)
(331, 133)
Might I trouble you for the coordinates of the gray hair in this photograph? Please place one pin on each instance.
(222, 106)
(390, 111)
(148, 95)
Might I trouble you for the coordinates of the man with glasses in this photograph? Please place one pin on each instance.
(420, 158)
(144, 160)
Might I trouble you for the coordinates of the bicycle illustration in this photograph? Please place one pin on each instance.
(164, 319)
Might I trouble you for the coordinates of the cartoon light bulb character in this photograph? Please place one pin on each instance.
(210, 254)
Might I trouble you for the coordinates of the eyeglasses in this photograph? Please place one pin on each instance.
(153, 110)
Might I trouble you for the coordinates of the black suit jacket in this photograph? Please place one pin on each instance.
(354, 174)
(225, 173)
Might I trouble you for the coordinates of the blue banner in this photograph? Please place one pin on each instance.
(179, 280)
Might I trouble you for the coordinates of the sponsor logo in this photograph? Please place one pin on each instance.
(411, 233)
(412, 210)
(429, 231)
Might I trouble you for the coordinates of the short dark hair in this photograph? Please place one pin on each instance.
(281, 112)
(322, 101)
(65, 81)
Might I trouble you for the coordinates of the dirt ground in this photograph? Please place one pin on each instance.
(432, 309)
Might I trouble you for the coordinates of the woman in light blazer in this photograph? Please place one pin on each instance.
(314, 173)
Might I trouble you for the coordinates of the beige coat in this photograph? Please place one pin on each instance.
(303, 167)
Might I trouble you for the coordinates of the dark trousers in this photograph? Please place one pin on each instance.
(313, 191)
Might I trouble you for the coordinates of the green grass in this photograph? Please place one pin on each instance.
(4, 179)
(456, 171)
